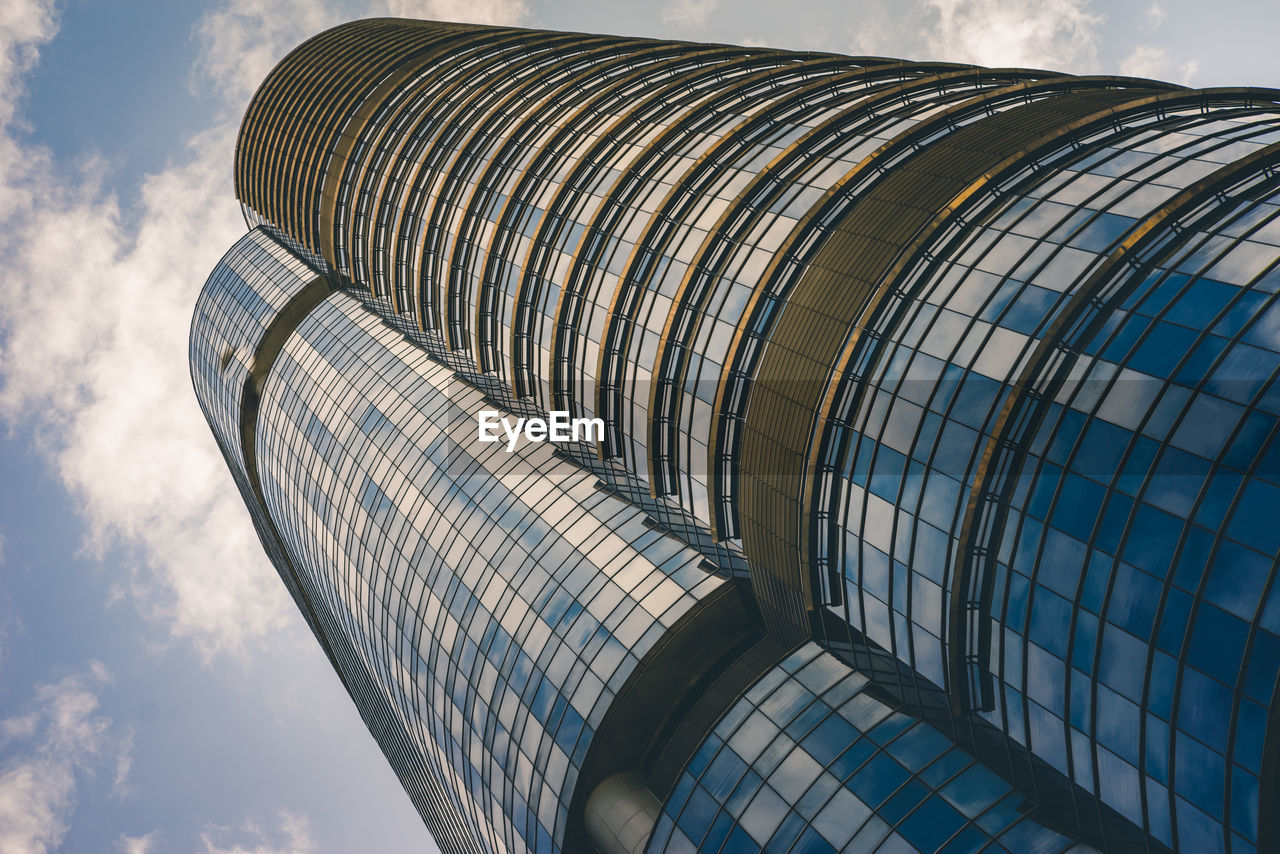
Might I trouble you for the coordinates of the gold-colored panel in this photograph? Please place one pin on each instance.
(518, 104)
(570, 306)
(485, 321)
(594, 159)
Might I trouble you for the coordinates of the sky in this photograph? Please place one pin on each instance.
(158, 690)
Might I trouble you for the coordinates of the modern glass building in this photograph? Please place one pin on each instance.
(934, 506)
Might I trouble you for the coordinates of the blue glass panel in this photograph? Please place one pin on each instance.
(877, 780)
(1174, 620)
(1176, 481)
(1124, 660)
(1137, 465)
(890, 728)
(1029, 310)
(1157, 749)
(1084, 641)
(931, 825)
(1097, 580)
(1051, 622)
(975, 400)
(903, 801)
(786, 834)
(1016, 610)
(968, 841)
(740, 842)
(1101, 450)
(1203, 300)
(829, 739)
(1197, 831)
(1028, 544)
(1102, 231)
(1217, 643)
(743, 792)
(1262, 332)
(886, 477)
(1194, 558)
(1219, 494)
(922, 745)
(1119, 785)
(1248, 442)
(1048, 736)
(1078, 506)
(1153, 536)
(1253, 521)
(1200, 775)
(1158, 812)
(1243, 373)
(1244, 803)
(1125, 337)
(1251, 726)
(805, 721)
(1061, 563)
(1205, 709)
(1164, 675)
(1135, 596)
(1199, 362)
(699, 811)
(719, 832)
(1040, 498)
(852, 759)
(813, 841)
(1119, 723)
(1264, 663)
(1046, 677)
(955, 446)
(947, 766)
(1065, 436)
(1164, 293)
(1162, 349)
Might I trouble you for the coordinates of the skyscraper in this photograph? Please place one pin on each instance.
(933, 505)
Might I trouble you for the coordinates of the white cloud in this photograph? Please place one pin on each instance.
(1154, 62)
(493, 12)
(688, 13)
(19, 728)
(95, 303)
(1155, 15)
(137, 844)
(878, 30)
(24, 27)
(293, 837)
(62, 739)
(243, 39)
(1060, 35)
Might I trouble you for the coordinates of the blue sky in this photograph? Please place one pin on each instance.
(158, 693)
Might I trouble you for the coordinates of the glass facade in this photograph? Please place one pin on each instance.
(1151, 453)
(933, 508)
(811, 760)
(499, 599)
